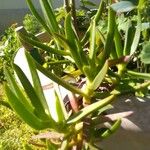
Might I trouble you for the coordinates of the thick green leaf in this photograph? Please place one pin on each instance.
(16, 90)
(69, 30)
(24, 113)
(138, 75)
(90, 109)
(118, 42)
(96, 18)
(129, 35)
(59, 116)
(141, 4)
(36, 81)
(92, 52)
(99, 78)
(62, 110)
(73, 41)
(113, 128)
(42, 46)
(62, 41)
(109, 39)
(58, 80)
(88, 73)
(123, 6)
(145, 54)
(38, 17)
(88, 3)
(31, 93)
(137, 35)
(99, 12)
(101, 35)
(49, 16)
(82, 54)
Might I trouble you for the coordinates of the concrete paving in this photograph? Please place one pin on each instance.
(134, 133)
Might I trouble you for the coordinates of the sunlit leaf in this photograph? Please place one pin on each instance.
(145, 54)
(24, 113)
(36, 82)
(129, 35)
(139, 75)
(123, 6)
(49, 16)
(58, 80)
(90, 109)
(112, 129)
(137, 35)
(88, 3)
(31, 93)
(38, 17)
(16, 89)
(42, 46)
(92, 52)
(99, 78)
(73, 40)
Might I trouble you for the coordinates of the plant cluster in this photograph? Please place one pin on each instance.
(9, 43)
(101, 58)
(13, 132)
(31, 24)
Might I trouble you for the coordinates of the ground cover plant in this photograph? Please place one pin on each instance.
(9, 42)
(101, 57)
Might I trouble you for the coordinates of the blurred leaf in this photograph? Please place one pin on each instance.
(118, 42)
(123, 6)
(69, 30)
(24, 113)
(16, 90)
(105, 108)
(31, 93)
(27, 147)
(129, 35)
(88, 3)
(90, 109)
(137, 35)
(32, 25)
(145, 54)
(49, 16)
(109, 38)
(99, 78)
(36, 82)
(62, 41)
(60, 116)
(51, 146)
(140, 93)
(123, 88)
(139, 75)
(42, 46)
(58, 80)
(141, 4)
(73, 41)
(89, 74)
(92, 52)
(112, 129)
(36, 14)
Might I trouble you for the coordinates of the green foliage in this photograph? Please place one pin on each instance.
(31, 24)
(123, 6)
(13, 132)
(94, 54)
(145, 54)
(9, 44)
